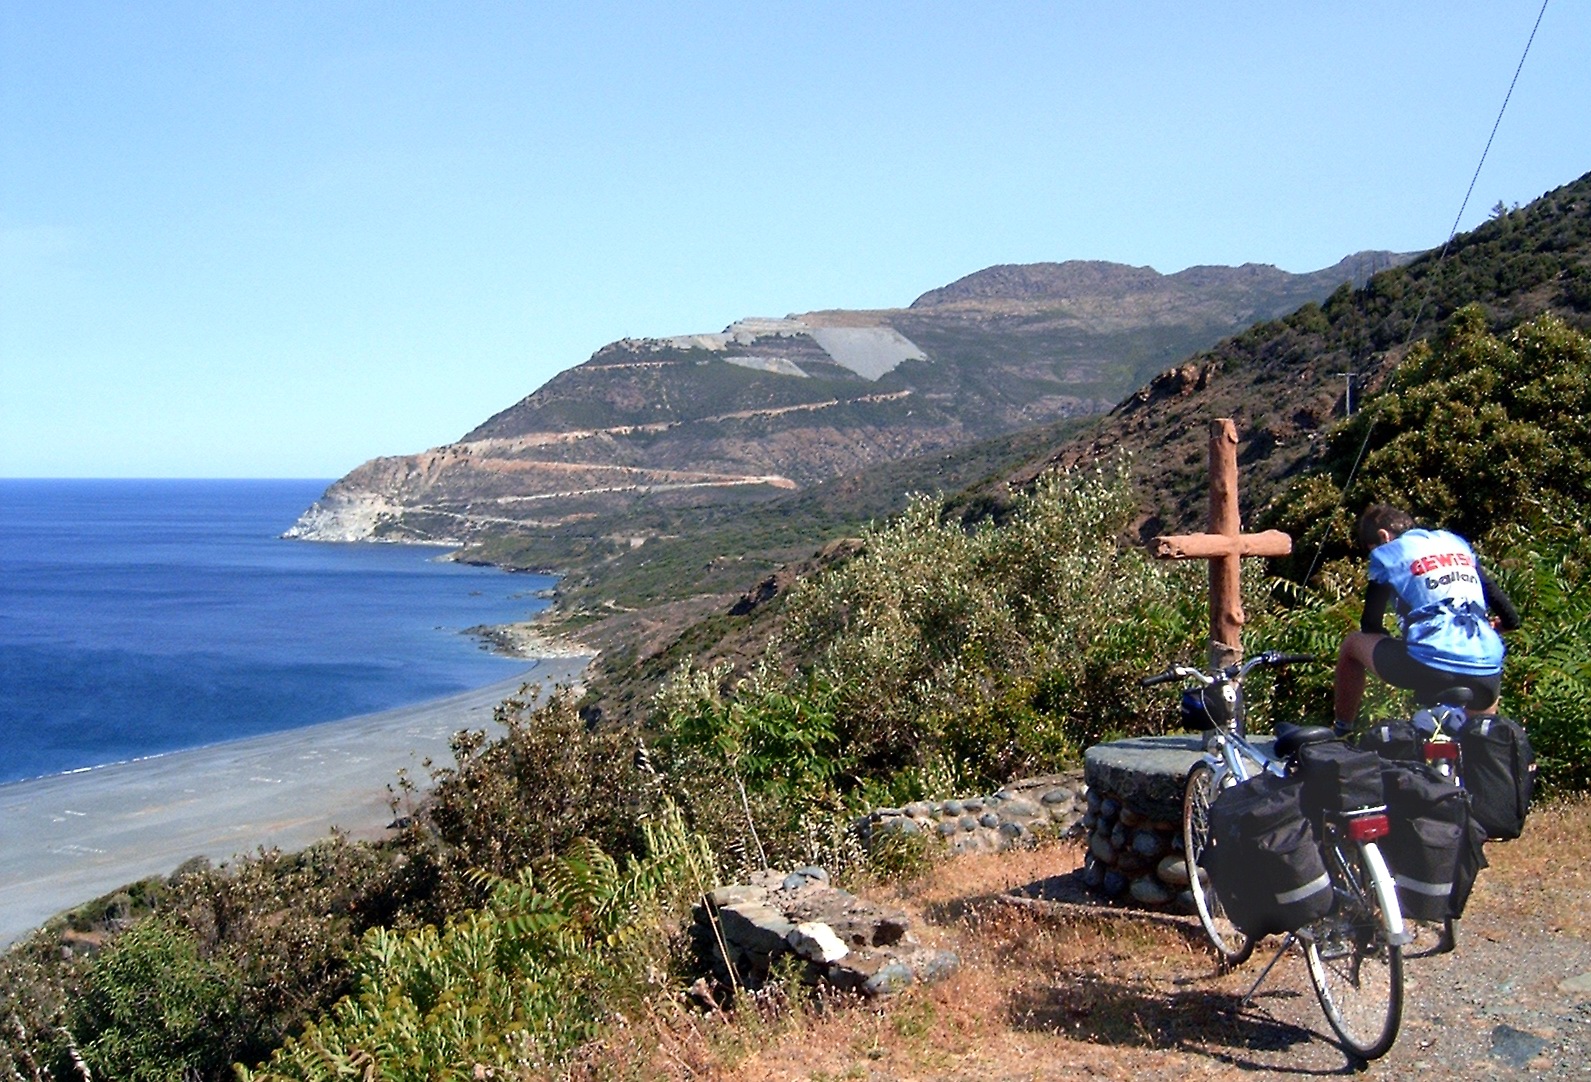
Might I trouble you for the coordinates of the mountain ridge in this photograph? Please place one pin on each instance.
(771, 404)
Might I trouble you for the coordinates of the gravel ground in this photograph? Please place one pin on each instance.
(1513, 1001)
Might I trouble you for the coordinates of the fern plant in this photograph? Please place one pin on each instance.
(559, 950)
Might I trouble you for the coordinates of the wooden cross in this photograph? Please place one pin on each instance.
(1224, 546)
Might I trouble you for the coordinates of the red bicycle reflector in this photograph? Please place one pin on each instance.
(1367, 828)
(1441, 749)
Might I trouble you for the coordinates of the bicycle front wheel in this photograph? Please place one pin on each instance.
(1232, 947)
(1356, 969)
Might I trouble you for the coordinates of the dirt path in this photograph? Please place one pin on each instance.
(1054, 990)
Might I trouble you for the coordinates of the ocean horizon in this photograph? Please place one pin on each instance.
(141, 617)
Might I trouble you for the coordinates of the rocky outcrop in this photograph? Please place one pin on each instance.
(348, 514)
(741, 931)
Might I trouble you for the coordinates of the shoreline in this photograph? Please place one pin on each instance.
(66, 839)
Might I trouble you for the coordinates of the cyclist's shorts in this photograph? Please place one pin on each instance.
(1396, 667)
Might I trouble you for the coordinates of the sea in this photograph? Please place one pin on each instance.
(139, 617)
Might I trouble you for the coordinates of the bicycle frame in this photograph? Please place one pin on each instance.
(1354, 953)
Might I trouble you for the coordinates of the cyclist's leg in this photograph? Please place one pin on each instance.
(1488, 691)
(1355, 658)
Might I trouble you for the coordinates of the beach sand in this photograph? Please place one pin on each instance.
(68, 839)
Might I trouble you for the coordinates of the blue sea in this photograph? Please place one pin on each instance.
(140, 617)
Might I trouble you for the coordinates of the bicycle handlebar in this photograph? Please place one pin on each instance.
(1232, 672)
(1174, 672)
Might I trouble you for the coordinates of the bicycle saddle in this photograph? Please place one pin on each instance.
(1455, 696)
(1290, 737)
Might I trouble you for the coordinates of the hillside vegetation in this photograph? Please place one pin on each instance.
(1283, 380)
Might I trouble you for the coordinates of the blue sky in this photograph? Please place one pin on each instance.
(277, 239)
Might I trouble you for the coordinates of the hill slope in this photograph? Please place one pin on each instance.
(1284, 380)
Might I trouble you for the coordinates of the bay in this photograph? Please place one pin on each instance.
(142, 617)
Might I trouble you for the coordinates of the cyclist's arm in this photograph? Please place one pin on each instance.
(1499, 602)
(1378, 595)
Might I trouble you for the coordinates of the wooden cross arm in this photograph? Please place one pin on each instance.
(1203, 546)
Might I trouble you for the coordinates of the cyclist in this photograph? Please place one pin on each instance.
(1442, 597)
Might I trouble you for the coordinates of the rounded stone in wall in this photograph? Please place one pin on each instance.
(1149, 845)
(1172, 870)
(1147, 890)
(1130, 863)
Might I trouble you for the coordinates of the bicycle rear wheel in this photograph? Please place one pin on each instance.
(1356, 970)
(1232, 947)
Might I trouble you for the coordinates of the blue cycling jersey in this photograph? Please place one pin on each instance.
(1441, 602)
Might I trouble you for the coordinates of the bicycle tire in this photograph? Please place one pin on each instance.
(1232, 946)
(1356, 969)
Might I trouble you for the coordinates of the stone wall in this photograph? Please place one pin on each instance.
(1016, 815)
(1134, 820)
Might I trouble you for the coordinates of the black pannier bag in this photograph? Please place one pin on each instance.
(1434, 847)
(1394, 738)
(1338, 778)
(1263, 859)
(1500, 773)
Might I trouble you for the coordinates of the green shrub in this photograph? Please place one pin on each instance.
(943, 657)
(152, 1008)
(548, 780)
(556, 955)
(1485, 432)
(973, 655)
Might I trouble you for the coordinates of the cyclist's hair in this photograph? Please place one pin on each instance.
(1382, 516)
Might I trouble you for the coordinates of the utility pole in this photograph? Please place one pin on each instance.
(1348, 397)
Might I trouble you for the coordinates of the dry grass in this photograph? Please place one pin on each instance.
(1544, 870)
(1068, 992)
(1038, 995)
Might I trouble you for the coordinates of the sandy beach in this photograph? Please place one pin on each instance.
(70, 838)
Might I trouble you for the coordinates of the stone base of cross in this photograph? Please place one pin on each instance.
(1224, 546)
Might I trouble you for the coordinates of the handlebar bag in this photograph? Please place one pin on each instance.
(1338, 778)
(1394, 738)
(1263, 859)
(1500, 773)
(1434, 846)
